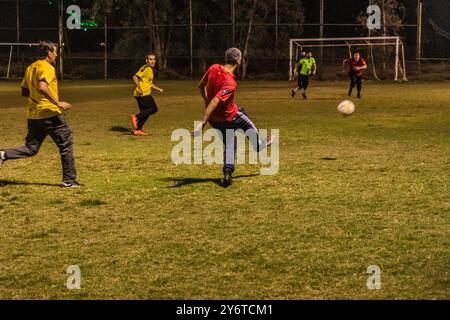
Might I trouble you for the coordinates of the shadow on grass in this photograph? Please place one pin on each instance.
(120, 129)
(4, 183)
(180, 182)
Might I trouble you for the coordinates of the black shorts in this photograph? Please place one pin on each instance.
(303, 81)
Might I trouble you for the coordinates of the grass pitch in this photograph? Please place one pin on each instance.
(371, 189)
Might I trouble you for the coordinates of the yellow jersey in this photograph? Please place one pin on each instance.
(145, 75)
(39, 107)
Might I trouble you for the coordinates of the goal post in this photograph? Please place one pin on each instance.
(7, 56)
(346, 46)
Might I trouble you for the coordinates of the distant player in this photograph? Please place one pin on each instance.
(217, 88)
(143, 79)
(357, 65)
(305, 68)
(44, 113)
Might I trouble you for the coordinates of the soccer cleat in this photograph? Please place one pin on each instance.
(70, 184)
(134, 121)
(359, 95)
(139, 133)
(292, 93)
(304, 95)
(227, 179)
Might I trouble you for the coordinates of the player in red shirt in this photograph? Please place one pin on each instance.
(217, 88)
(357, 65)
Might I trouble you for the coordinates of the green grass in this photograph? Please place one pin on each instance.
(371, 189)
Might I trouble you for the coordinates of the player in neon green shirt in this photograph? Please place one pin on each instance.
(305, 67)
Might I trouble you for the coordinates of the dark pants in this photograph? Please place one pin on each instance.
(355, 81)
(147, 106)
(303, 81)
(57, 128)
(240, 121)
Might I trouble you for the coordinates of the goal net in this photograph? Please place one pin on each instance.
(14, 59)
(385, 56)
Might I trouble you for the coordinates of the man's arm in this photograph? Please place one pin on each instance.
(160, 90)
(345, 62)
(138, 86)
(202, 87)
(364, 66)
(209, 110)
(44, 89)
(314, 69)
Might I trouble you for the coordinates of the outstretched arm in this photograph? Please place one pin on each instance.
(214, 103)
(160, 90)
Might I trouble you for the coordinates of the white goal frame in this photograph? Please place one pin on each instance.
(13, 45)
(296, 45)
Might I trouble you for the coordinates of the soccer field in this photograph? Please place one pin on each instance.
(370, 189)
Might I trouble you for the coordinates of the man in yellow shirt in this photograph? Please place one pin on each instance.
(44, 114)
(143, 79)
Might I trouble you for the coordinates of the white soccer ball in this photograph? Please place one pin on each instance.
(346, 108)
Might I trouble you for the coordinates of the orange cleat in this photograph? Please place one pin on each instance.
(139, 133)
(134, 121)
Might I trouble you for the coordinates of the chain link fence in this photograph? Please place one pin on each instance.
(108, 46)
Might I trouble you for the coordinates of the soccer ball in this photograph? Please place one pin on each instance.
(346, 108)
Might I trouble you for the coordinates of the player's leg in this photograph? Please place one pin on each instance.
(148, 107)
(229, 154)
(134, 119)
(243, 121)
(352, 85)
(359, 85)
(62, 135)
(299, 84)
(36, 135)
(305, 84)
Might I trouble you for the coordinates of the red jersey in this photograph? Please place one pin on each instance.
(353, 63)
(223, 85)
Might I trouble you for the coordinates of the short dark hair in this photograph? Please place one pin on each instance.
(45, 47)
(151, 53)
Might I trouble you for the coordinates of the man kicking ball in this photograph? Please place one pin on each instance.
(143, 79)
(217, 88)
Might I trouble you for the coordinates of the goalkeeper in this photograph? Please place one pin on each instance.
(306, 66)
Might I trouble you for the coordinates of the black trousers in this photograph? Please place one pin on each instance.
(147, 107)
(57, 128)
(355, 81)
(240, 121)
(303, 81)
